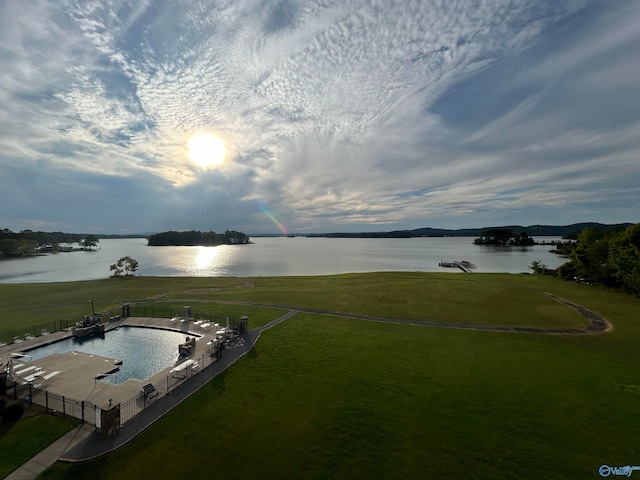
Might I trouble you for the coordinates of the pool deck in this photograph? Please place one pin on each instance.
(73, 374)
(85, 443)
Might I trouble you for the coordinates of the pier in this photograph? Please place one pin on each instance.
(463, 265)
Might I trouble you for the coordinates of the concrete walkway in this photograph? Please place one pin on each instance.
(47, 457)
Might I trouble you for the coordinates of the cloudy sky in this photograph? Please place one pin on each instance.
(342, 115)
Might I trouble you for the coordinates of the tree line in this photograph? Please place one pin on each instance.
(606, 257)
(194, 237)
(27, 242)
(503, 237)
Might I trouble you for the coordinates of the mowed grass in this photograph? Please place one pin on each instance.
(328, 397)
(25, 305)
(487, 299)
(212, 311)
(322, 397)
(490, 299)
(20, 440)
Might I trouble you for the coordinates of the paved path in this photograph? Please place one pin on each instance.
(596, 323)
(47, 457)
(83, 443)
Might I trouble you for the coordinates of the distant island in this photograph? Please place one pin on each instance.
(504, 237)
(27, 243)
(197, 238)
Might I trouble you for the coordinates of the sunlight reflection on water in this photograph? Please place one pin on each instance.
(205, 261)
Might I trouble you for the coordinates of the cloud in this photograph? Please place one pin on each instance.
(336, 115)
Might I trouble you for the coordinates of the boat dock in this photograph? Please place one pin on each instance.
(463, 265)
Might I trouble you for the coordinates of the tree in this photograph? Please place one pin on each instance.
(236, 238)
(610, 257)
(90, 242)
(11, 247)
(538, 268)
(522, 240)
(125, 267)
(591, 254)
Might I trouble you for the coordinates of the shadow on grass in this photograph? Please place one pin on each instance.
(72, 471)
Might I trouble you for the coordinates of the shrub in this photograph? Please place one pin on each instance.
(12, 411)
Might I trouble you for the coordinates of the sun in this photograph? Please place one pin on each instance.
(206, 150)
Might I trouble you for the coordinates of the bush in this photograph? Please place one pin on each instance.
(3, 402)
(12, 411)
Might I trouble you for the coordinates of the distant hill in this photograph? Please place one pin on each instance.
(125, 235)
(565, 231)
(392, 234)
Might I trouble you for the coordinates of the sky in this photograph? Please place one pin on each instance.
(341, 115)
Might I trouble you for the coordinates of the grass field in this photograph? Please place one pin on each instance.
(329, 397)
(21, 440)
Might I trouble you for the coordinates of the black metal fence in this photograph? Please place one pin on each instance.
(160, 311)
(127, 310)
(54, 403)
(88, 412)
(136, 404)
(15, 336)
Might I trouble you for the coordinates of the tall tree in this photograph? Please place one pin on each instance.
(124, 267)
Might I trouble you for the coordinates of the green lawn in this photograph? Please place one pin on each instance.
(322, 397)
(215, 312)
(492, 299)
(480, 298)
(24, 305)
(328, 397)
(21, 440)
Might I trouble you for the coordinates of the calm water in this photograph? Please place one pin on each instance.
(143, 351)
(277, 257)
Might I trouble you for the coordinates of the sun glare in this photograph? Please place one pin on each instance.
(206, 150)
(205, 257)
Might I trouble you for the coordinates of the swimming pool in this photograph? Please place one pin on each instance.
(143, 351)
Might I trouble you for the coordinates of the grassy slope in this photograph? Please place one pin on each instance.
(24, 305)
(324, 397)
(479, 298)
(484, 299)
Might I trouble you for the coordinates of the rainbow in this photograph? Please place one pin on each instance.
(271, 217)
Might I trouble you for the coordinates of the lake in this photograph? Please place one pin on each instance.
(278, 257)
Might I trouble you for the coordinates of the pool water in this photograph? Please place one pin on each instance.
(143, 351)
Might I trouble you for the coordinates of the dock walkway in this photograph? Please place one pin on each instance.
(463, 265)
